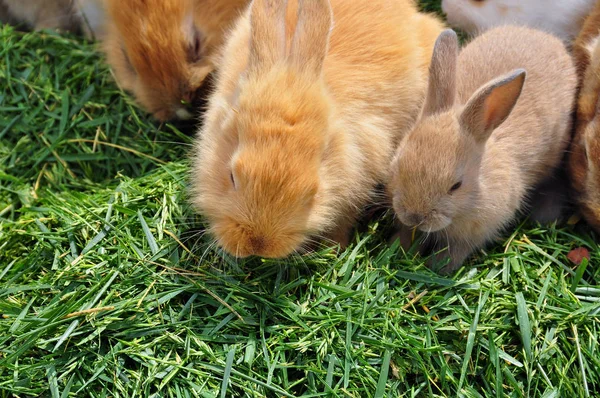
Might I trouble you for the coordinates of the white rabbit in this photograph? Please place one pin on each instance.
(562, 18)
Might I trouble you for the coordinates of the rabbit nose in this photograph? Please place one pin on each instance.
(193, 99)
(257, 244)
(414, 219)
(188, 97)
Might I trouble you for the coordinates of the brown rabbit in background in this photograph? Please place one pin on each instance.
(584, 159)
(44, 14)
(486, 136)
(310, 100)
(163, 50)
(67, 15)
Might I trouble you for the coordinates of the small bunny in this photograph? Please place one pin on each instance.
(86, 16)
(486, 136)
(162, 51)
(44, 14)
(584, 160)
(310, 101)
(562, 18)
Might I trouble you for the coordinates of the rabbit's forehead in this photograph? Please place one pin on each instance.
(277, 168)
(430, 158)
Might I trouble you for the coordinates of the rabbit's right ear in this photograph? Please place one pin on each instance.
(311, 38)
(591, 144)
(489, 107)
(587, 104)
(267, 38)
(441, 89)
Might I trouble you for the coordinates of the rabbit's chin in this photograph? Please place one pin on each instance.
(435, 225)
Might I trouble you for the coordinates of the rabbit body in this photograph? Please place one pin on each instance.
(162, 51)
(308, 106)
(467, 168)
(562, 18)
(584, 159)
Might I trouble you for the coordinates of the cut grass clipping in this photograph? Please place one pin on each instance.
(108, 289)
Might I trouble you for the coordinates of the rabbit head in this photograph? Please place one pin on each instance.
(435, 172)
(260, 186)
(584, 161)
(163, 50)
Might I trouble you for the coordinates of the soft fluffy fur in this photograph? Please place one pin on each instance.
(584, 160)
(467, 133)
(560, 17)
(163, 50)
(306, 113)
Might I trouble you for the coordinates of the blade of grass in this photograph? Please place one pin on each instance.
(227, 372)
(524, 325)
(471, 339)
(383, 374)
(149, 237)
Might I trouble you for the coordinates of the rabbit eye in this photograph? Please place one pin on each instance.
(128, 63)
(455, 187)
(195, 48)
(232, 179)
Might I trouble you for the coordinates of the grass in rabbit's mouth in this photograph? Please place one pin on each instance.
(108, 289)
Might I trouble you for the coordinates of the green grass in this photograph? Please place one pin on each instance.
(107, 289)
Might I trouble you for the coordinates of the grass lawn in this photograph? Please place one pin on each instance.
(107, 289)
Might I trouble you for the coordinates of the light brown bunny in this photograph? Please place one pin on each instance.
(584, 159)
(162, 51)
(494, 125)
(311, 98)
(44, 14)
(85, 16)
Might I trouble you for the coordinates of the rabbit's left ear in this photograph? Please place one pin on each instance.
(492, 104)
(588, 102)
(311, 38)
(591, 142)
(267, 38)
(441, 88)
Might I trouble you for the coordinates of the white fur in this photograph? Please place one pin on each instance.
(183, 114)
(562, 18)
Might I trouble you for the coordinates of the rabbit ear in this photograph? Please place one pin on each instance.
(267, 40)
(441, 90)
(491, 104)
(587, 104)
(310, 40)
(591, 142)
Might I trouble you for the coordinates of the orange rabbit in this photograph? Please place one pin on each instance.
(584, 159)
(310, 101)
(163, 50)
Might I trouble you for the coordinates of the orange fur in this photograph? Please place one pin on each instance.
(305, 117)
(486, 137)
(589, 31)
(584, 159)
(148, 46)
